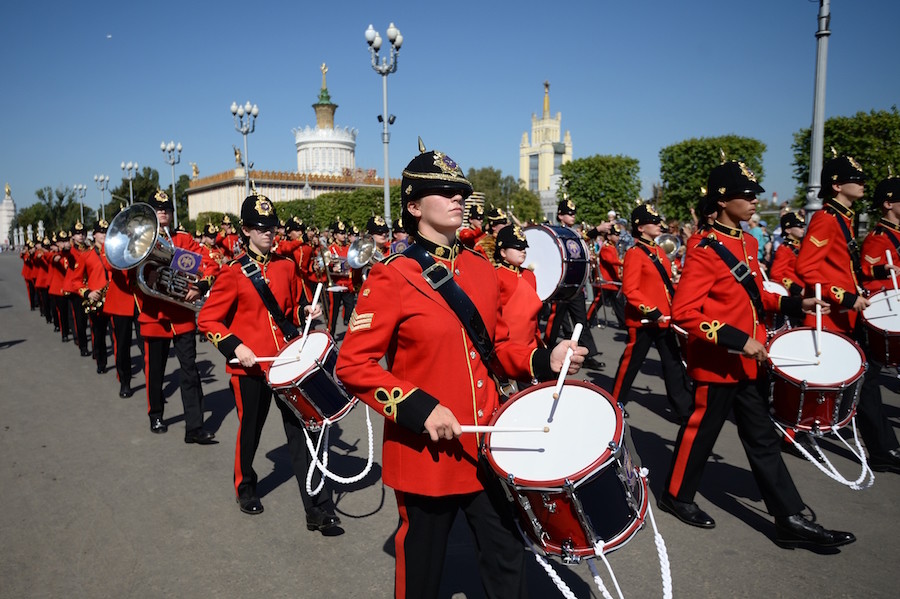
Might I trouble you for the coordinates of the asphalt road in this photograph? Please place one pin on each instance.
(94, 505)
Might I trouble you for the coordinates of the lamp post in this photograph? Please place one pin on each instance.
(817, 133)
(384, 67)
(172, 156)
(245, 126)
(80, 190)
(102, 182)
(130, 171)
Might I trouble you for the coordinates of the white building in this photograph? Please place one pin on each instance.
(325, 149)
(7, 215)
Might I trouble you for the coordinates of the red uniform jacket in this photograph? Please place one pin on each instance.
(884, 238)
(430, 360)
(159, 318)
(646, 294)
(469, 236)
(120, 296)
(716, 311)
(784, 267)
(87, 274)
(234, 313)
(58, 267)
(519, 304)
(610, 266)
(825, 258)
(340, 270)
(41, 264)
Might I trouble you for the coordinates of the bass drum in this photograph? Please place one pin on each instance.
(560, 261)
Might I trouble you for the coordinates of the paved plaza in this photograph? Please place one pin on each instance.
(94, 505)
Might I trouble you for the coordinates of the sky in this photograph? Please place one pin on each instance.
(86, 86)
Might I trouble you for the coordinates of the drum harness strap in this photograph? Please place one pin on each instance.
(852, 246)
(739, 270)
(662, 271)
(250, 268)
(441, 280)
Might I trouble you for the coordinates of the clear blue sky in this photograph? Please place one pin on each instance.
(88, 85)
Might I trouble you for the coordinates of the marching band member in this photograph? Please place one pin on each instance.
(340, 275)
(648, 290)
(720, 305)
(609, 270)
(164, 323)
(434, 380)
(228, 239)
(237, 321)
(96, 296)
(83, 263)
(784, 265)
(377, 227)
(829, 255)
(573, 308)
(519, 301)
(41, 264)
(121, 306)
(473, 233)
(885, 237)
(401, 239)
(494, 220)
(58, 266)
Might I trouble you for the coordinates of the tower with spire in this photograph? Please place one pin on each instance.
(325, 149)
(541, 156)
(7, 215)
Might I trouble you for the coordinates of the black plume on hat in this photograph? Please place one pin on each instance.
(258, 211)
(842, 169)
(732, 179)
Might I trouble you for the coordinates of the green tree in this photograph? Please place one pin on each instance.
(352, 207)
(599, 183)
(59, 209)
(685, 166)
(505, 192)
(145, 185)
(872, 138)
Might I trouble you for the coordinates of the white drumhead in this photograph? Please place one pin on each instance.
(544, 257)
(583, 425)
(884, 311)
(296, 362)
(794, 356)
(773, 287)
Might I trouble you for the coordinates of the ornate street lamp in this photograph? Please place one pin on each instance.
(245, 124)
(172, 156)
(130, 171)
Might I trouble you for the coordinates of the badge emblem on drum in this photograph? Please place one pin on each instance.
(573, 248)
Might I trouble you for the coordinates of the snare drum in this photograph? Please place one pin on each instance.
(882, 320)
(575, 485)
(304, 380)
(559, 258)
(773, 321)
(814, 393)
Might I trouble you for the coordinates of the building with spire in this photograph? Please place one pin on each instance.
(541, 156)
(326, 162)
(7, 216)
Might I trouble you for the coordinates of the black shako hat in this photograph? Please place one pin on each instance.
(376, 225)
(161, 201)
(566, 207)
(731, 179)
(510, 237)
(887, 191)
(838, 170)
(791, 219)
(476, 212)
(101, 226)
(645, 214)
(430, 171)
(258, 211)
(294, 224)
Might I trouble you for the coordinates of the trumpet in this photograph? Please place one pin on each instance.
(91, 307)
(363, 252)
(670, 244)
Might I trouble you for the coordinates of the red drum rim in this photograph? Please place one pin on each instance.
(301, 376)
(598, 464)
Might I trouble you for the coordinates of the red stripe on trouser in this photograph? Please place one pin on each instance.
(115, 339)
(400, 549)
(701, 396)
(547, 340)
(239, 405)
(147, 371)
(626, 361)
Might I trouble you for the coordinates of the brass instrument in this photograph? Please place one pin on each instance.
(91, 307)
(363, 253)
(134, 240)
(670, 244)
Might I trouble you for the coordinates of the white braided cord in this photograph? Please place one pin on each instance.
(828, 468)
(323, 464)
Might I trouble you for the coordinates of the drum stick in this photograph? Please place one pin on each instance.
(309, 318)
(818, 318)
(576, 335)
(486, 428)
(269, 359)
(801, 361)
(890, 262)
(762, 271)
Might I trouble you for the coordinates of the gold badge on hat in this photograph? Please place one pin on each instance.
(379, 221)
(263, 206)
(408, 189)
(652, 211)
(747, 172)
(854, 163)
(570, 204)
(447, 165)
(517, 233)
(161, 196)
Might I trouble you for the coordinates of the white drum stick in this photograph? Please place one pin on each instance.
(485, 428)
(309, 319)
(890, 262)
(803, 361)
(762, 271)
(576, 335)
(268, 359)
(818, 318)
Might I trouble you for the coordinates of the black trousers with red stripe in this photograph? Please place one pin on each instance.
(122, 327)
(99, 327)
(253, 397)
(678, 385)
(60, 306)
(156, 353)
(874, 427)
(421, 541)
(79, 320)
(762, 444)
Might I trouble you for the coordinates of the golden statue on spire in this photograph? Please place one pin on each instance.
(324, 69)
